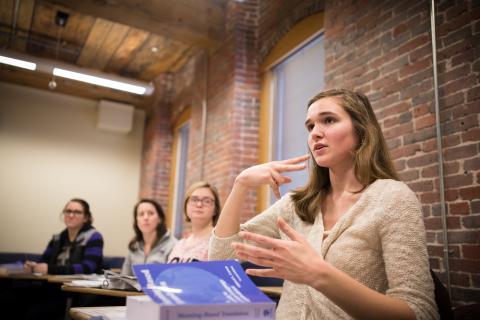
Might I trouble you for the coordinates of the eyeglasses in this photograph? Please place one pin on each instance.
(204, 201)
(75, 212)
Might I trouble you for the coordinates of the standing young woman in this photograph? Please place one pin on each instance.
(351, 243)
(152, 241)
(77, 249)
(202, 208)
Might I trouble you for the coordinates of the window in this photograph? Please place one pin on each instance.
(296, 79)
(179, 169)
(292, 73)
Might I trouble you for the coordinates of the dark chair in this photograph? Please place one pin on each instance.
(442, 299)
(12, 257)
(467, 312)
(262, 281)
(112, 262)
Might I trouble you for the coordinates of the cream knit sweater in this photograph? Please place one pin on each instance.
(379, 241)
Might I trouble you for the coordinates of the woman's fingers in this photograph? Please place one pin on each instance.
(263, 273)
(260, 239)
(275, 186)
(296, 160)
(289, 231)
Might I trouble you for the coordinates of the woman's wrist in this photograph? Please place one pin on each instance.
(321, 275)
(240, 182)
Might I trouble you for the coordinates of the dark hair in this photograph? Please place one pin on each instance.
(161, 227)
(198, 185)
(372, 160)
(85, 207)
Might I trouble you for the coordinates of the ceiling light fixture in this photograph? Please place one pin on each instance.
(99, 81)
(64, 70)
(18, 63)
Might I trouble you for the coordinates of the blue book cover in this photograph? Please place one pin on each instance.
(212, 282)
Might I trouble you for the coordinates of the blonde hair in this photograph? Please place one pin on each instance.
(198, 185)
(372, 160)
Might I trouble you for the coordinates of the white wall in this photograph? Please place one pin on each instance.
(51, 151)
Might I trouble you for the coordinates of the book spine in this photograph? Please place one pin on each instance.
(259, 311)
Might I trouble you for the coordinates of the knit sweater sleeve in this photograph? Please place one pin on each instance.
(91, 262)
(403, 244)
(264, 223)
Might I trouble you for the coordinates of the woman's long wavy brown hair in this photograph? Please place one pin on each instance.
(372, 160)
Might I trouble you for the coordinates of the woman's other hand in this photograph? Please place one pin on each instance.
(294, 260)
(28, 266)
(41, 268)
(271, 173)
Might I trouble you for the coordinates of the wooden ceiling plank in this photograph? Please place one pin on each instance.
(126, 51)
(25, 14)
(165, 64)
(6, 12)
(97, 36)
(181, 20)
(110, 45)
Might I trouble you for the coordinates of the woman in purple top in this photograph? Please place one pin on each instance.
(77, 249)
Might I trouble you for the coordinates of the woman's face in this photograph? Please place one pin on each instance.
(331, 137)
(74, 216)
(147, 218)
(201, 206)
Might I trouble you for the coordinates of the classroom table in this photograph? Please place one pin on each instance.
(24, 276)
(100, 291)
(89, 313)
(276, 291)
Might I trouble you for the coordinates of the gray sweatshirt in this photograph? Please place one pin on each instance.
(158, 254)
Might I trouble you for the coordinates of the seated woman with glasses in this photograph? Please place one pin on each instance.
(202, 208)
(78, 249)
(152, 241)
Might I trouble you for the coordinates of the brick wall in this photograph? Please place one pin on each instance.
(157, 146)
(383, 49)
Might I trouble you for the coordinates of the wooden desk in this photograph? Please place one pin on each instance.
(88, 313)
(275, 291)
(64, 278)
(24, 276)
(103, 292)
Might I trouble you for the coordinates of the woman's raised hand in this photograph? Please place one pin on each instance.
(271, 173)
(294, 260)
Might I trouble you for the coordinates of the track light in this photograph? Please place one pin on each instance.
(79, 74)
(99, 81)
(18, 63)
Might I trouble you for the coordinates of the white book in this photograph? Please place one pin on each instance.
(142, 307)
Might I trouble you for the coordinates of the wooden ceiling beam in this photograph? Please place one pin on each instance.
(197, 23)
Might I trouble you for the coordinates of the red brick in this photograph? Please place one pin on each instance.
(457, 181)
(426, 121)
(471, 164)
(422, 160)
(470, 193)
(465, 265)
(405, 151)
(471, 135)
(458, 208)
(429, 197)
(409, 175)
(460, 279)
(471, 251)
(460, 152)
(421, 186)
